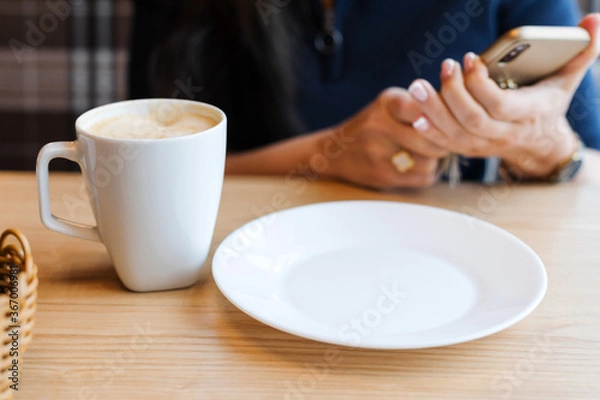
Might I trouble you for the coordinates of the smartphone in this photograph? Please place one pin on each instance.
(528, 54)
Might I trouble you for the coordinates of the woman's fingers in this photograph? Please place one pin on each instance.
(371, 163)
(399, 104)
(571, 75)
(422, 145)
(422, 174)
(469, 113)
(500, 104)
(438, 123)
(400, 110)
(374, 167)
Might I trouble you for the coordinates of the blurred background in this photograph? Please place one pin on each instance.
(59, 58)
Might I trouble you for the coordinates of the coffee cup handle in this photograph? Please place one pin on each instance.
(69, 151)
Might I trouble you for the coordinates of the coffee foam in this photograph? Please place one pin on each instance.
(153, 125)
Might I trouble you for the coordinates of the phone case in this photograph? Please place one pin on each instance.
(528, 54)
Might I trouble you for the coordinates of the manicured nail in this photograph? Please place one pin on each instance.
(448, 68)
(418, 92)
(421, 124)
(470, 61)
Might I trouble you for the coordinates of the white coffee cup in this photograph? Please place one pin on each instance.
(155, 201)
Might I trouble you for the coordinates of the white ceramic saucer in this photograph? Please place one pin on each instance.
(377, 274)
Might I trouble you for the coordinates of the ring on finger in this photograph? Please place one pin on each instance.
(403, 161)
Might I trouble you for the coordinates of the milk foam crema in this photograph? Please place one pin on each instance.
(152, 125)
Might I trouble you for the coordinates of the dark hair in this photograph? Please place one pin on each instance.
(230, 54)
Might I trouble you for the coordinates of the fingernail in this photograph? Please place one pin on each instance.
(469, 61)
(418, 92)
(421, 124)
(448, 68)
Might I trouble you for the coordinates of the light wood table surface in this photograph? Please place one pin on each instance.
(93, 339)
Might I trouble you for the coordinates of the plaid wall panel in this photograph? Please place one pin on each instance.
(58, 58)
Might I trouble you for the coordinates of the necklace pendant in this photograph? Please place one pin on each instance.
(327, 43)
(330, 39)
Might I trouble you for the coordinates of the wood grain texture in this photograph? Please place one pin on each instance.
(93, 339)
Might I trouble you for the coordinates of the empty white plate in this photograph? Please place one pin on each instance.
(378, 274)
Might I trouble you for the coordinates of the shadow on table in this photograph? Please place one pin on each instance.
(308, 354)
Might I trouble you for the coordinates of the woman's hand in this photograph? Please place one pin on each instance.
(527, 127)
(377, 133)
(359, 150)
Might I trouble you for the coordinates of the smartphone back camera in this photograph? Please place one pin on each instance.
(514, 53)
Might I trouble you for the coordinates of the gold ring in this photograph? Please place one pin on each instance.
(403, 161)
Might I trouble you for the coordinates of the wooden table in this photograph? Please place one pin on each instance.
(96, 340)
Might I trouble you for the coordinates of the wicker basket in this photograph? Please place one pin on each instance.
(18, 294)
